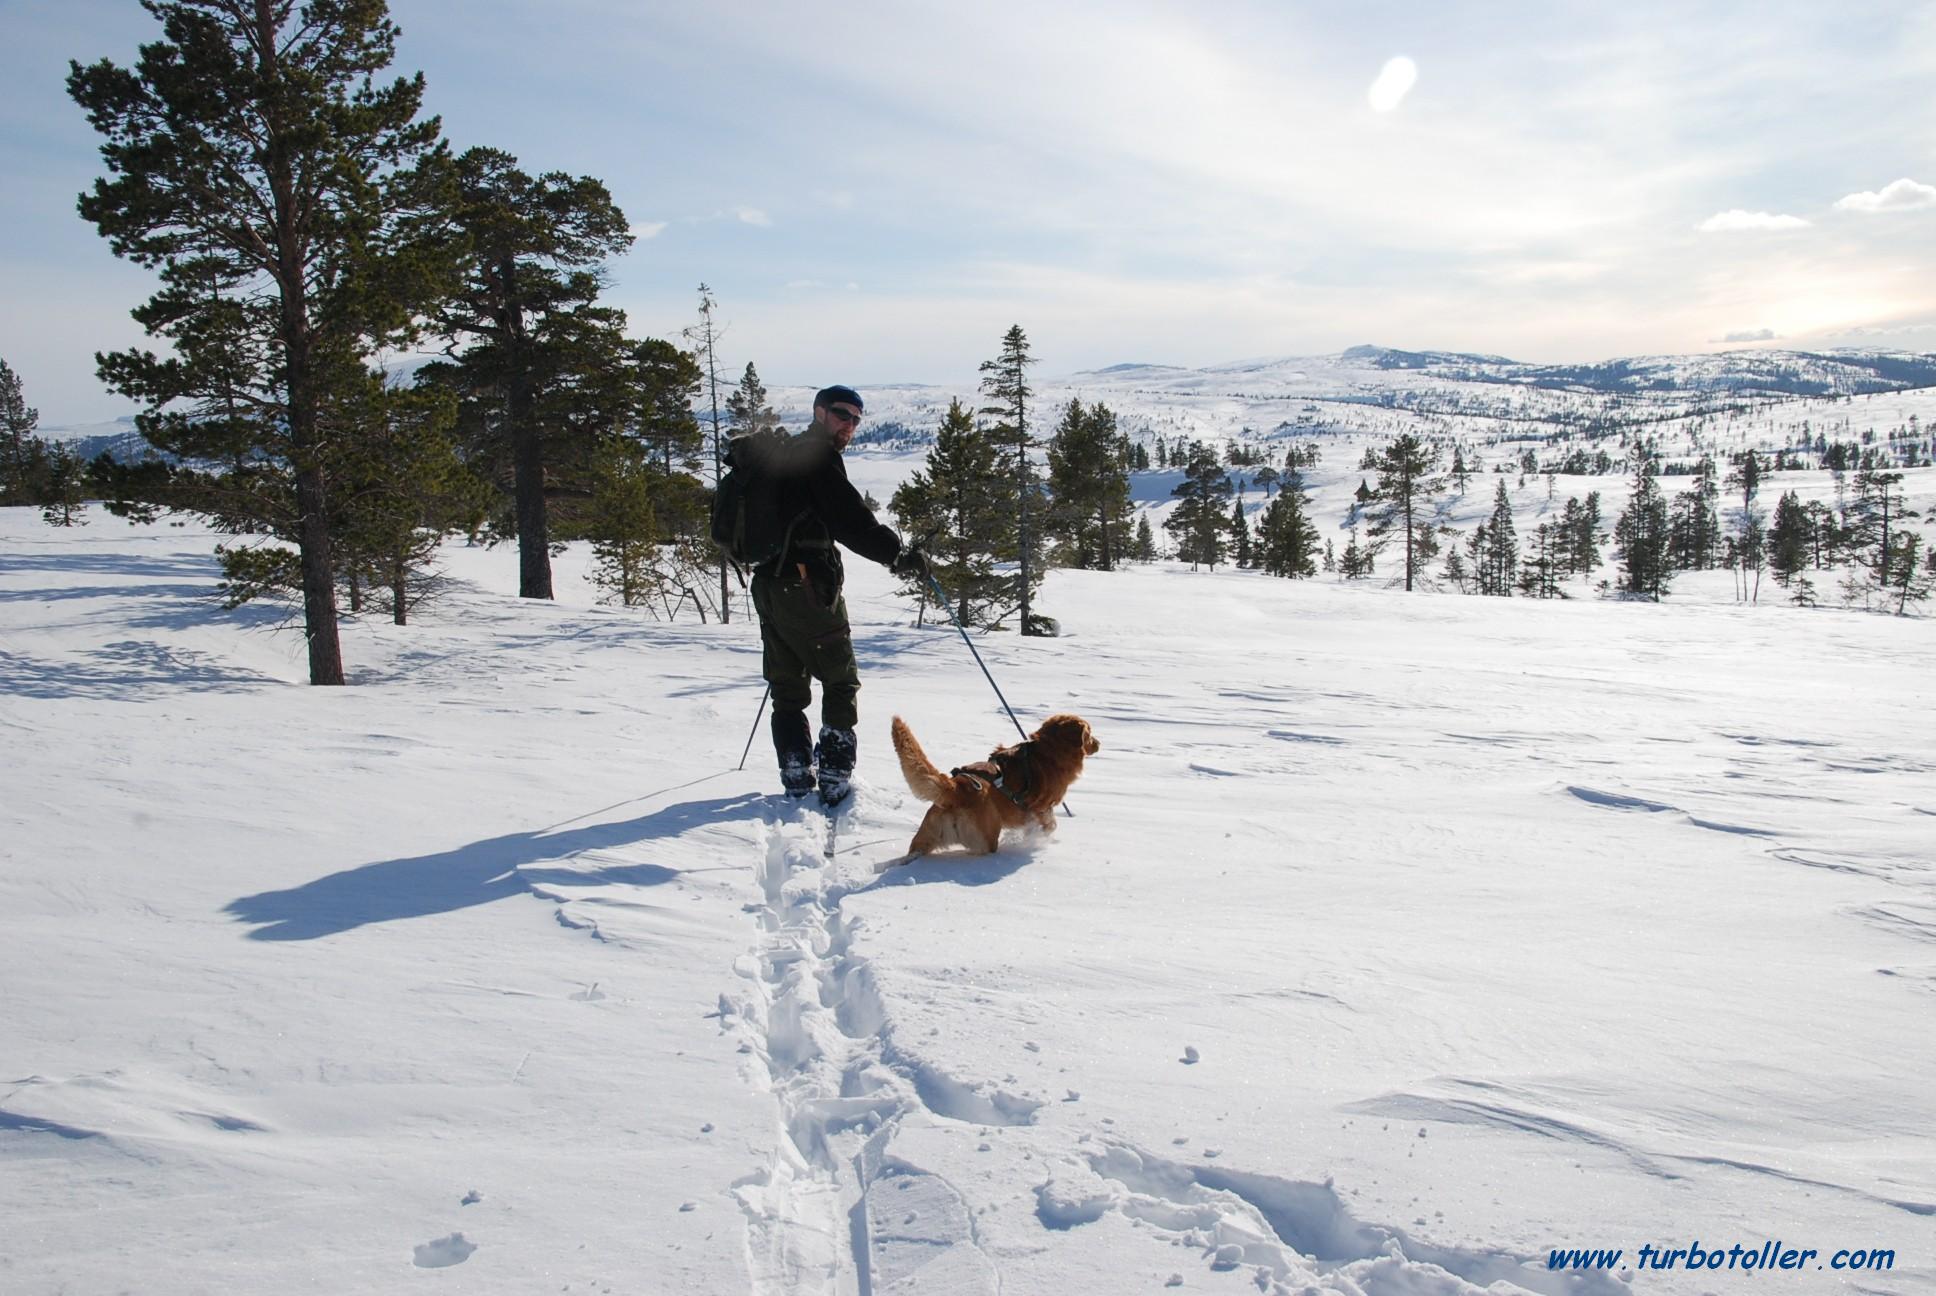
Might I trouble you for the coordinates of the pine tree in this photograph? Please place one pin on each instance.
(527, 305)
(23, 457)
(292, 207)
(1876, 511)
(1005, 384)
(1145, 547)
(956, 503)
(1641, 534)
(1199, 521)
(1240, 547)
(1751, 526)
(1402, 502)
(1089, 486)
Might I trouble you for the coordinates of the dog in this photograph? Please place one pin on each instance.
(1014, 787)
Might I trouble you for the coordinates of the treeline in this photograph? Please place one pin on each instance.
(32, 470)
(1718, 522)
(306, 222)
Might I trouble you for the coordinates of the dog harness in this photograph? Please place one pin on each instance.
(1008, 771)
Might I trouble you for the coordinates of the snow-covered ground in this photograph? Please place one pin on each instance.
(1393, 942)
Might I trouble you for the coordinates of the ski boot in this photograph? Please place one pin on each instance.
(795, 752)
(835, 754)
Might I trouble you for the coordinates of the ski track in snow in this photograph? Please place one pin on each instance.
(836, 1212)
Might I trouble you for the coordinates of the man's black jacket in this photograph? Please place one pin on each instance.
(815, 492)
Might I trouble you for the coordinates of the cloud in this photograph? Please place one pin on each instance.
(753, 216)
(1395, 81)
(1748, 335)
(1898, 195)
(1736, 219)
(649, 230)
(1898, 330)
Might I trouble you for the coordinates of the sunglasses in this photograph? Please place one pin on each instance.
(844, 414)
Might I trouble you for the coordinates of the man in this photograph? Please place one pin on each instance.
(803, 617)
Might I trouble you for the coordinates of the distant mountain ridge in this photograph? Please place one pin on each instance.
(1153, 396)
(1838, 372)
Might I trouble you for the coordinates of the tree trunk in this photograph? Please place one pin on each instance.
(527, 447)
(312, 491)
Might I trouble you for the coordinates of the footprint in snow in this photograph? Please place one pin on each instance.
(443, 1252)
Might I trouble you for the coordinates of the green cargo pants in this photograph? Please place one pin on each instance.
(803, 640)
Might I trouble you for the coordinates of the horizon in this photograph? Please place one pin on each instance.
(1558, 188)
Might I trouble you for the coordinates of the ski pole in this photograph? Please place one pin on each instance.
(942, 598)
(756, 725)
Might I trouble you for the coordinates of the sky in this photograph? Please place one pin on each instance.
(876, 192)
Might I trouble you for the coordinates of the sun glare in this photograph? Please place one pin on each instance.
(1395, 81)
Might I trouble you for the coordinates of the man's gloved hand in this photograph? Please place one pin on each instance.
(912, 564)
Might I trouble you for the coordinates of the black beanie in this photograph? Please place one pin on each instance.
(837, 393)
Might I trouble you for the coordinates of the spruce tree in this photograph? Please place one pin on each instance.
(292, 207)
(1499, 565)
(400, 488)
(1005, 384)
(623, 526)
(1358, 560)
(1287, 539)
(747, 410)
(1240, 547)
(957, 505)
(64, 489)
(1089, 501)
(526, 306)
(1583, 545)
(1145, 548)
(704, 337)
(1641, 534)
(1788, 539)
(1402, 501)
(1907, 576)
(666, 381)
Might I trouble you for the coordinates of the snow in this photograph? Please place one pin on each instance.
(1394, 940)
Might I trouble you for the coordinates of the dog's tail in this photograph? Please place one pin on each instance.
(923, 779)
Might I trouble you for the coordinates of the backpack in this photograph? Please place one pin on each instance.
(746, 510)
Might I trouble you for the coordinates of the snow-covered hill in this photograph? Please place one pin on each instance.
(1394, 942)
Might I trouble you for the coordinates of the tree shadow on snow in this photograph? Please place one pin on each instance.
(475, 874)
